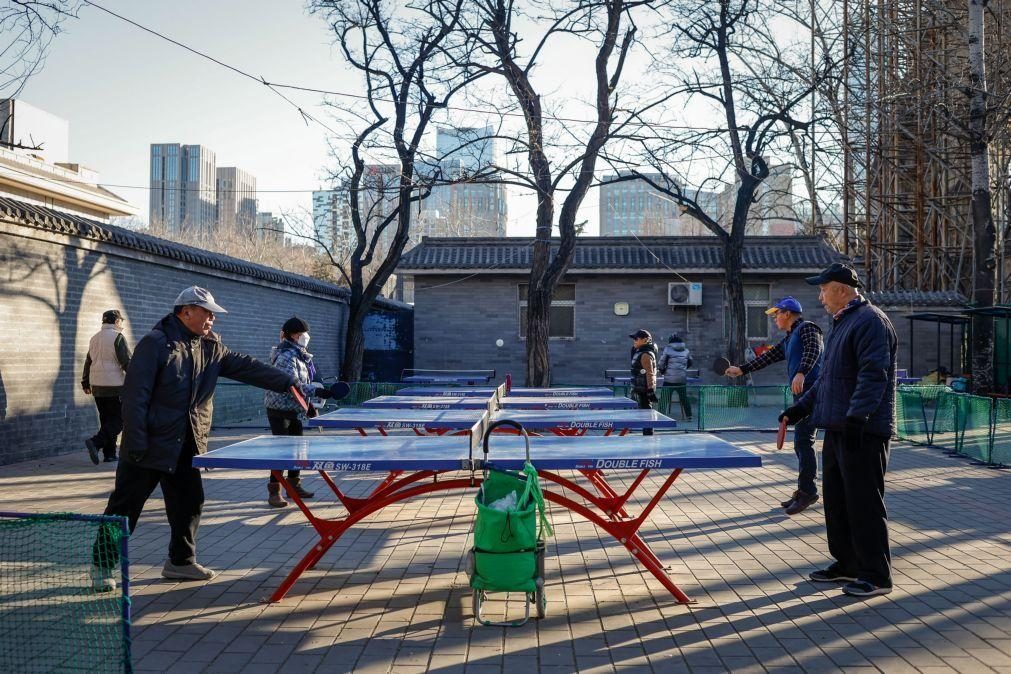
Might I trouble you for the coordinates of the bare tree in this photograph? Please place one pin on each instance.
(984, 235)
(27, 27)
(405, 59)
(264, 246)
(728, 47)
(608, 25)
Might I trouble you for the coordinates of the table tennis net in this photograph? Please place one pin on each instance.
(51, 617)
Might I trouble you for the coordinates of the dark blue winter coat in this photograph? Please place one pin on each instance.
(857, 373)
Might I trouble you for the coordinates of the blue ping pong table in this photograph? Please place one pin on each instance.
(559, 422)
(487, 391)
(508, 402)
(414, 466)
(465, 377)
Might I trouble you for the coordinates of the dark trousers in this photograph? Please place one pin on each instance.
(853, 486)
(284, 423)
(682, 392)
(110, 424)
(183, 491)
(803, 446)
(642, 398)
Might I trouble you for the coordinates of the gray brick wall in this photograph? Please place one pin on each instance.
(457, 324)
(53, 290)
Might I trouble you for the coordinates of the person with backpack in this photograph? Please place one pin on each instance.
(284, 413)
(674, 363)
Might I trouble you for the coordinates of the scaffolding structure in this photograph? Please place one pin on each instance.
(906, 186)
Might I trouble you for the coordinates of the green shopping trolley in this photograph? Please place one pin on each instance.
(508, 552)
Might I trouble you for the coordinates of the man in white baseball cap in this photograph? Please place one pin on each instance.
(168, 399)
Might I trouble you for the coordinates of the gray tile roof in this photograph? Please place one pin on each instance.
(785, 254)
(917, 298)
(50, 220)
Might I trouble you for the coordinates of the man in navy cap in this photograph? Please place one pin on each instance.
(854, 401)
(801, 348)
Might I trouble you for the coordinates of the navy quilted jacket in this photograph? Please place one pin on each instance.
(857, 374)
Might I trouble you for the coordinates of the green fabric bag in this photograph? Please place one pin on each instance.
(516, 530)
(505, 571)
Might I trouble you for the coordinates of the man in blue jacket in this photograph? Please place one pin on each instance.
(801, 348)
(854, 401)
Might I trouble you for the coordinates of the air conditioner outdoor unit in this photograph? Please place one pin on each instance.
(683, 294)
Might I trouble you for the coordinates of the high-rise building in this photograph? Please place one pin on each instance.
(331, 219)
(773, 211)
(634, 206)
(462, 208)
(183, 187)
(236, 198)
(269, 227)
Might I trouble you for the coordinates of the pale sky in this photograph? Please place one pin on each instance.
(122, 89)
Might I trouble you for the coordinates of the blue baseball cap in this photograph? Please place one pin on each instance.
(785, 304)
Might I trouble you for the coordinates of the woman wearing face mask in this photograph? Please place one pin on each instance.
(284, 413)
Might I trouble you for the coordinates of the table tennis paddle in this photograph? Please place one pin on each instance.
(781, 435)
(720, 366)
(298, 398)
(340, 390)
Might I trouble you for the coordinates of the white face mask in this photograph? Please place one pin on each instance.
(303, 340)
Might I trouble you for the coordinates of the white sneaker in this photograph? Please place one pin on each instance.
(192, 571)
(102, 580)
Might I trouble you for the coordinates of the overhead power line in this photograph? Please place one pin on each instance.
(275, 86)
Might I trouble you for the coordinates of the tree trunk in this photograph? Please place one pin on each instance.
(354, 348)
(984, 236)
(733, 253)
(538, 358)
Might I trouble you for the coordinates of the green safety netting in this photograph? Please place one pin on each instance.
(52, 619)
(1000, 450)
(974, 422)
(722, 408)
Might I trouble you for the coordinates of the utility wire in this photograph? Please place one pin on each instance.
(275, 86)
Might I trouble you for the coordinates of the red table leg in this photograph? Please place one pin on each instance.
(394, 489)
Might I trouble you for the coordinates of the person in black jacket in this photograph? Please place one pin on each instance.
(643, 371)
(168, 400)
(854, 401)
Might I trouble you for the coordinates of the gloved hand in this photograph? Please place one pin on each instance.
(651, 396)
(854, 432)
(793, 414)
(311, 412)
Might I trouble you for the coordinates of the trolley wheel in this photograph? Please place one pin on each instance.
(476, 598)
(541, 600)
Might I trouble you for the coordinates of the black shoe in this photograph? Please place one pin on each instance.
(863, 588)
(787, 502)
(831, 575)
(112, 458)
(801, 503)
(92, 451)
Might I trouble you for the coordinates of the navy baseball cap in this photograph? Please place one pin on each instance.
(785, 304)
(837, 271)
(641, 334)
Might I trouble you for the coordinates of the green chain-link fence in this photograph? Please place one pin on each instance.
(976, 427)
(52, 619)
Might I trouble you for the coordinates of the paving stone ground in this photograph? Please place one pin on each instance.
(393, 596)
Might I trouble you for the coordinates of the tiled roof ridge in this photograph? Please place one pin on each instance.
(47, 219)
